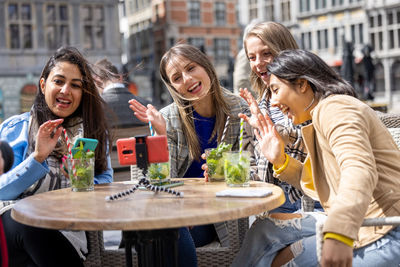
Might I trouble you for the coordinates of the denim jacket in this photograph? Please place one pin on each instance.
(26, 170)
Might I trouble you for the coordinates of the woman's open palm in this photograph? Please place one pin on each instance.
(254, 109)
(149, 113)
(46, 138)
(271, 143)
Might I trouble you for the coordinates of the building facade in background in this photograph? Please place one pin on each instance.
(324, 26)
(153, 26)
(32, 30)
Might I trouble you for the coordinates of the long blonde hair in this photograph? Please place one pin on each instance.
(278, 38)
(191, 53)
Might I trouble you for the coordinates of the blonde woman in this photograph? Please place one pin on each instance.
(262, 43)
(193, 122)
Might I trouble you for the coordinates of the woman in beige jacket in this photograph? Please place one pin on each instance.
(352, 168)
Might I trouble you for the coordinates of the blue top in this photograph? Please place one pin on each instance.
(26, 170)
(204, 127)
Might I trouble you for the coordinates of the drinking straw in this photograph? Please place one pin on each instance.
(69, 151)
(225, 129)
(151, 129)
(241, 136)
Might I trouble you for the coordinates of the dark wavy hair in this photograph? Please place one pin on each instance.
(8, 155)
(91, 108)
(291, 65)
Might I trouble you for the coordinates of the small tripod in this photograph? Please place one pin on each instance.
(142, 163)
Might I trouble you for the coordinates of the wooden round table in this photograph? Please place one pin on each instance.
(142, 210)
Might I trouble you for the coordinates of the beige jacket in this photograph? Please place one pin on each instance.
(355, 166)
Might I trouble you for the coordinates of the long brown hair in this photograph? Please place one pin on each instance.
(91, 108)
(191, 53)
(278, 38)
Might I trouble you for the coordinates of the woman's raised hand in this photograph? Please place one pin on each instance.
(254, 109)
(149, 113)
(46, 139)
(271, 143)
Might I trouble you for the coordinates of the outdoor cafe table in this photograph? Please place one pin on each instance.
(141, 212)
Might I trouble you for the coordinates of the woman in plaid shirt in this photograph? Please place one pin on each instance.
(262, 43)
(193, 122)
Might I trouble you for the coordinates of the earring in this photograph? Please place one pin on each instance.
(309, 105)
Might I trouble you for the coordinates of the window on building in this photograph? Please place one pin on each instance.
(391, 39)
(194, 12)
(379, 20)
(285, 9)
(335, 37)
(253, 9)
(220, 11)
(337, 3)
(322, 39)
(221, 50)
(56, 25)
(396, 76)
(380, 78)
(304, 5)
(306, 41)
(92, 17)
(389, 18)
(269, 10)
(20, 24)
(320, 4)
(376, 31)
(197, 42)
(393, 28)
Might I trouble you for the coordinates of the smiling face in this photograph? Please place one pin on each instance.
(63, 89)
(259, 56)
(188, 78)
(291, 99)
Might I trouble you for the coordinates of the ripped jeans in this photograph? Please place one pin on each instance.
(267, 236)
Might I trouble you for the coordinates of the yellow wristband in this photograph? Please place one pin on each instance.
(341, 238)
(283, 167)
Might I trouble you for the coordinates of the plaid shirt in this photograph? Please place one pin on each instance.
(291, 135)
(179, 157)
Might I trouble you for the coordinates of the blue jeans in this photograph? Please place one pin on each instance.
(189, 240)
(289, 207)
(268, 236)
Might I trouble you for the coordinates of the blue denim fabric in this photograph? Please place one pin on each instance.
(267, 236)
(188, 240)
(384, 252)
(186, 249)
(287, 207)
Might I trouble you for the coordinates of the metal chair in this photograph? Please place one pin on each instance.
(207, 256)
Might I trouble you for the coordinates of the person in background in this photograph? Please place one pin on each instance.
(67, 99)
(338, 171)
(115, 93)
(262, 43)
(6, 157)
(193, 122)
